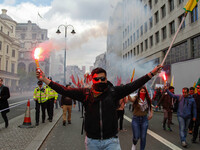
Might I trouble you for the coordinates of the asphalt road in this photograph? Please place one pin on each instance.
(69, 137)
(18, 105)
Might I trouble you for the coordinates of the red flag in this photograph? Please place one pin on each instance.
(78, 82)
(73, 79)
(119, 80)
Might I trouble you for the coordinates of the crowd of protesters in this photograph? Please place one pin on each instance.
(102, 94)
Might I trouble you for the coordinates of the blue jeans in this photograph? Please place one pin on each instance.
(183, 127)
(139, 128)
(106, 144)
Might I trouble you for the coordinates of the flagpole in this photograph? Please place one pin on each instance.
(174, 39)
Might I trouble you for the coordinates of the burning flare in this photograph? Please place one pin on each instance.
(36, 56)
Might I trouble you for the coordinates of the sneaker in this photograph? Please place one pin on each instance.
(6, 125)
(43, 121)
(133, 147)
(123, 130)
(69, 122)
(50, 120)
(172, 123)
(169, 129)
(190, 131)
(164, 127)
(36, 124)
(64, 123)
(184, 144)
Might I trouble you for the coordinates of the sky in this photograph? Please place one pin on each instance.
(88, 17)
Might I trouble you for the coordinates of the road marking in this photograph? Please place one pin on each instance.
(19, 102)
(158, 137)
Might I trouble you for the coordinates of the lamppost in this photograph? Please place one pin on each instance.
(72, 32)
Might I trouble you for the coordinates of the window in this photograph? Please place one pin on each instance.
(13, 53)
(157, 37)
(194, 14)
(131, 53)
(150, 4)
(156, 1)
(33, 36)
(123, 46)
(146, 44)
(0, 45)
(12, 29)
(151, 40)
(171, 5)
(7, 49)
(21, 55)
(137, 34)
(180, 20)
(6, 65)
(180, 1)
(138, 50)
(150, 23)
(42, 36)
(13, 68)
(134, 51)
(163, 11)
(145, 9)
(141, 29)
(195, 47)
(172, 27)
(156, 17)
(23, 36)
(164, 33)
(128, 42)
(133, 37)
(145, 27)
(141, 45)
(1, 29)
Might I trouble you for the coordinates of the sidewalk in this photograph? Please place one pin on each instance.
(15, 138)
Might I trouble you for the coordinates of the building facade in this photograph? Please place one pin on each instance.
(149, 29)
(9, 48)
(30, 36)
(100, 61)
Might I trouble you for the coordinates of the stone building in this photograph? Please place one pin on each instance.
(9, 47)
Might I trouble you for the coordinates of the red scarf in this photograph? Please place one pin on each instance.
(198, 93)
(142, 96)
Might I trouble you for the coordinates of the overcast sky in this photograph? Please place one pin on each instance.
(89, 18)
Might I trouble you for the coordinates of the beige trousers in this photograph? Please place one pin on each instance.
(67, 109)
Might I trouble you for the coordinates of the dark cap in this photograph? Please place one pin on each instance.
(39, 82)
(50, 78)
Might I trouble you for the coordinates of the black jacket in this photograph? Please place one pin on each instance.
(66, 101)
(5, 94)
(100, 112)
(197, 100)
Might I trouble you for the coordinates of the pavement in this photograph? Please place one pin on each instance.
(15, 138)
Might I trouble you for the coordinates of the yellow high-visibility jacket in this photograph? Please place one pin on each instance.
(50, 93)
(40, 95)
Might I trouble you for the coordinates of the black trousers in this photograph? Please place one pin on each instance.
(50, 106)
(37, 111)
(120, 115)
(5, 118)
(196, 129)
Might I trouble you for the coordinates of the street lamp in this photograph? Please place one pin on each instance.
(72, 32)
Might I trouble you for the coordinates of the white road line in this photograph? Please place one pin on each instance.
(19, 102)
(158, 137)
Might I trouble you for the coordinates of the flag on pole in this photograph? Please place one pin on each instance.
(172, 81)
(198, 82)
(133, 75)
(190, 5)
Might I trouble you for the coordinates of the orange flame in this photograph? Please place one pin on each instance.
(37, 53)
(164, 77)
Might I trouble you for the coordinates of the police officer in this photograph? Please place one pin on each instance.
(40, 100)
(51, 97)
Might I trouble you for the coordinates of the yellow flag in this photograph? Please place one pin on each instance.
(133, 75)
(172, 81)
(190, 5)
(195, 89)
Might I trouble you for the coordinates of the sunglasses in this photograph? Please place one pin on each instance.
(99, 78)
(198, 87)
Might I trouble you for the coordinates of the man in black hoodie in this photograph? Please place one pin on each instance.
(100, 101)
